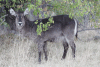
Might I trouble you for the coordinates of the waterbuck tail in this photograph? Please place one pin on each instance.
(75, 30)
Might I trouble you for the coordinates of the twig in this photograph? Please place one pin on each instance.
(3, 16)
(87, 40)
(4, 19)
(2, 22)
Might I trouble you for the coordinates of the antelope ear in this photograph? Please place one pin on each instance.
(12, 12)
(26, 11)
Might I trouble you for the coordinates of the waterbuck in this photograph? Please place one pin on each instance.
(63, 29)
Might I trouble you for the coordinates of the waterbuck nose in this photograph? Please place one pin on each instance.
(20, 23)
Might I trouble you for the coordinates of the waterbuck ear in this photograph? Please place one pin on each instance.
(26, 11)
(12, 12)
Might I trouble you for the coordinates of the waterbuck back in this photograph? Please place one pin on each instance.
(63, 29)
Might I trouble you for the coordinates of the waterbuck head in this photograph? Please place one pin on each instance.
(20, 20)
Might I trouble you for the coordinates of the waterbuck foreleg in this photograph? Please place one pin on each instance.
(40, 50)
(45, 50)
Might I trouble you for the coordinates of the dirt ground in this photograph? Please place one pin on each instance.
(17, 52)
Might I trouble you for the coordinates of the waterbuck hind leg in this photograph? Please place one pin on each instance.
(45, 50)
(73, 47)
(66, 46)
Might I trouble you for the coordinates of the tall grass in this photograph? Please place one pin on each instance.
(18, 52)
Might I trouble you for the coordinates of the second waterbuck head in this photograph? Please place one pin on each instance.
(63, 29)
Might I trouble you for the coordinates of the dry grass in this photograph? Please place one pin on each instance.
(17, 52)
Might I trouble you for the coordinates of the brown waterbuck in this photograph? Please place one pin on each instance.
(63, 29)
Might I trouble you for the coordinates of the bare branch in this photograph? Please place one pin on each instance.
(88, 29)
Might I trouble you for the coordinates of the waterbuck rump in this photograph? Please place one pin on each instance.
(63, 29)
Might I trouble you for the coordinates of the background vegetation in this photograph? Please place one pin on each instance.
(85, 11)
